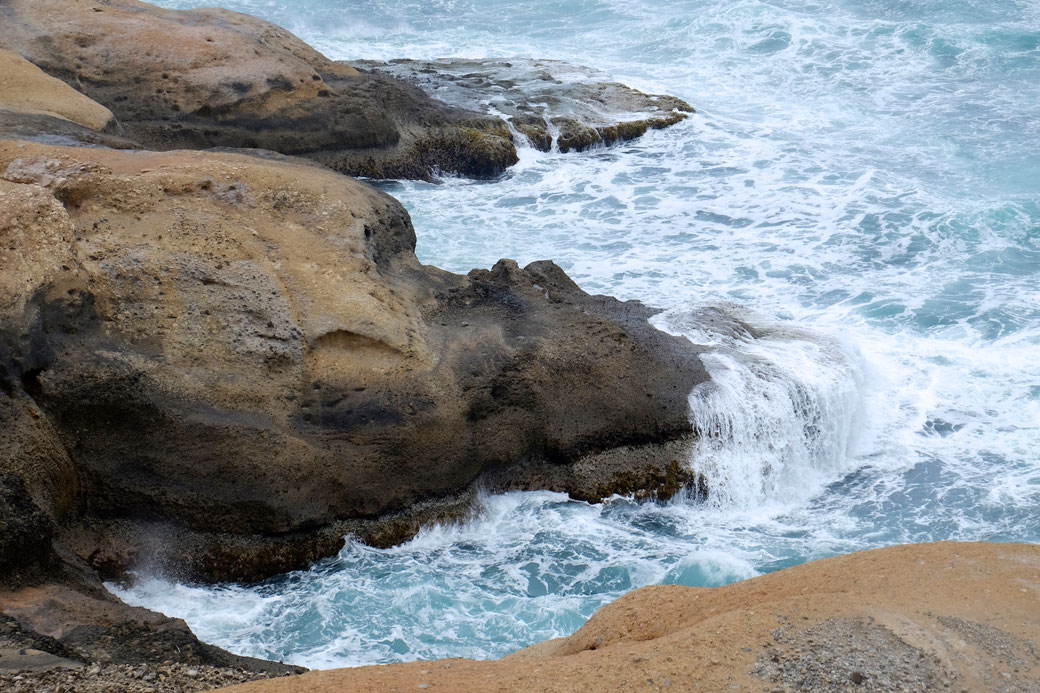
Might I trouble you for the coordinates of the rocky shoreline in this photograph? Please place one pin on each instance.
(219, 355)
(948, 616)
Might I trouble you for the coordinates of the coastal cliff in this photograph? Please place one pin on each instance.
(219, 356)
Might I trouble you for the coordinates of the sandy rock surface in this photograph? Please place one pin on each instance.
(925, 617)
(25, 87)
(164, 677)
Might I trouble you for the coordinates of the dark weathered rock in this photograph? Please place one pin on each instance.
(244, 361)
(214, 78)
(551, 103)
(25, 530)
(79, 621)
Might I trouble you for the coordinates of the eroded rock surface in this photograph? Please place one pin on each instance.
(551, 103)
(242, 360)
(215, 78)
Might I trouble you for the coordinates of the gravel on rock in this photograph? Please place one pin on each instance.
(167, 677)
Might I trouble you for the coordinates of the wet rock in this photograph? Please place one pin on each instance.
(549, 102)
(245, 361)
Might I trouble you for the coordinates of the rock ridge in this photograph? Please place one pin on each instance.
(553, 105)
(216, 364)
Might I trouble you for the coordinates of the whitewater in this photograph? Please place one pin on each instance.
(860, 186)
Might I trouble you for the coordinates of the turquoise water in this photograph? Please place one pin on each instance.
(861, 181)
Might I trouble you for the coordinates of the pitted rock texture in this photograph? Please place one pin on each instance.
(239, 358)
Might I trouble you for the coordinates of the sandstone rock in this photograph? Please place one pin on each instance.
(26, 88)
(550, 102)
(36, 237)
(245, 360)
(215, 78)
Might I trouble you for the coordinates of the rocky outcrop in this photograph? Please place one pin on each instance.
(82, 622)
(947, 616)
(60, 616)
(34, 105)
(215, 78)
(229, 363)
(552, 104)
(216, 365)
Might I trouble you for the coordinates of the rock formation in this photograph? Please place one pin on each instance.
(237, 356)
(214, 78)
(34, 105)
(25, 88)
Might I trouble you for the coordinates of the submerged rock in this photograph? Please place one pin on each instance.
(215, 78)
(244, 361)
(549, 102)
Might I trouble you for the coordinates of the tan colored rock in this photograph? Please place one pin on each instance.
(945, 616)
(214, 78)
(245, 361)
(211, 57)
(35, 243)
(26, 88)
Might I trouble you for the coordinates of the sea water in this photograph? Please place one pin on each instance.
(861, 183)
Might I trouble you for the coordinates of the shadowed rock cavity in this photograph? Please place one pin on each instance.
(232, 363)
